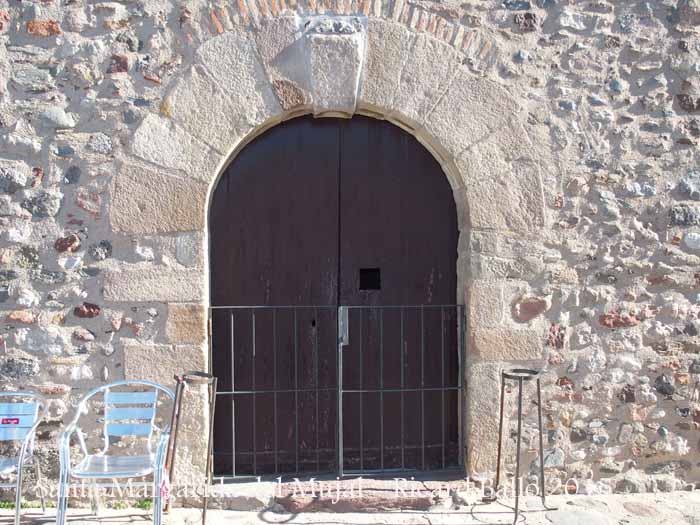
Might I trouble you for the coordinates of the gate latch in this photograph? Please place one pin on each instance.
(343, 333)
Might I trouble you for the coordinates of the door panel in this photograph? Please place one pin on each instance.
(398, 219)
(274, 239)
(397, 214)
(274, 219)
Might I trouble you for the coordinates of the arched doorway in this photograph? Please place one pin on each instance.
(318, 225)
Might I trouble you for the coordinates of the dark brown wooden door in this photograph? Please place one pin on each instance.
(312, 215)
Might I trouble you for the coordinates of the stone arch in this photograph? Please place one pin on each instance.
(248, 79)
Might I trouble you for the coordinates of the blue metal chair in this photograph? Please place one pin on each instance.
(130, 409)
(20, 415)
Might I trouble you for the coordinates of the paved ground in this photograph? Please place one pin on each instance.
(674, 508)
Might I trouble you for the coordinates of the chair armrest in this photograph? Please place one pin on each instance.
(72, 427)
(162, 448)
(160, 474)
(64, 437)
(28, 441)
(64, 443)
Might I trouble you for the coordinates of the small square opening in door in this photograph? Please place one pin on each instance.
(370, 279)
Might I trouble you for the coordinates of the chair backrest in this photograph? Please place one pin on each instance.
(130, 413)
(20, 413)
(130, 409)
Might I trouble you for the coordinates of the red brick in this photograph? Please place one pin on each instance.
(43, 28)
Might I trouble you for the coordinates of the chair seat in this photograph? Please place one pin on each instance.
(113, 467)
(8, 464)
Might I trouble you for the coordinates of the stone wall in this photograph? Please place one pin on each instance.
(568, 130)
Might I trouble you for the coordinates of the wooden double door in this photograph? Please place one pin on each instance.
(318, 225)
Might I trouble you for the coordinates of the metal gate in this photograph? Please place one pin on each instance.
(345, 390)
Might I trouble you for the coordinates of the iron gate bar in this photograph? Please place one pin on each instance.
(402, 346)
(274, 385)
(316, 389)
(461, 360)
(255, 441)
(233, 389)
(352, 449)
(278, 391)
(422, 384)
(381, 386)
(296, 394)
(350, 307)
(315, 353)
(416, 389)
(362, 430)
(442, 382)
(342, 311)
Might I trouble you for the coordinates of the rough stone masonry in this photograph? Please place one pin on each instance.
(569, 131)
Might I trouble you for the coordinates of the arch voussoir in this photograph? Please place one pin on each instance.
(228, 66)
(281, 51)
(196, 102)
(502, 181)
(471, 109)
(427, 72)
(160, 141)
(232, 61)
(388, 45)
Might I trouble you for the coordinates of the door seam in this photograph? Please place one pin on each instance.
(339, 215)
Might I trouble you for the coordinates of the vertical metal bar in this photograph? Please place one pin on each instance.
(539, 421)
(517, 449)
(381, 388)
(316, 337)
(296, 395)
(174, 431)
(339, 353)
(255, 414)
(362, 395)
(401, 354)
(422, 389)
(339, 394)
(274, 388)
(500, 433)
(442, 380)
(210, 445)
(233, 395)
(461, 322)
(210, 336)
(210, 367)
(337, 384)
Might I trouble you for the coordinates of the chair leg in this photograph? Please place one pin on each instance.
(39, 484)
(18, 494)
(95, 504)
(62, 504)
(157, 503)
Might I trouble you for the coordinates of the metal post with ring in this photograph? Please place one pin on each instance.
(519, 375)
(182, 382)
